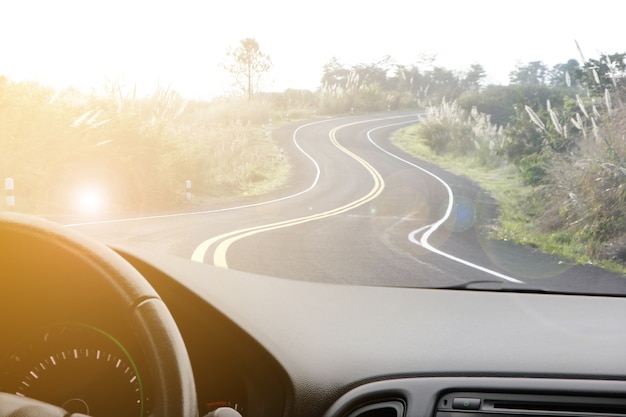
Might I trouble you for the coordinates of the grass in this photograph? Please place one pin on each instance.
(515, 221)
(138, 151)
(503, 182)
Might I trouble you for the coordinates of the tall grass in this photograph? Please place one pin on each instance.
(585, 193)
(448, 129)
(138, 151)
(578, 208)
(358, 95)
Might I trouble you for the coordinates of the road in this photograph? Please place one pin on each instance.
(358, 210)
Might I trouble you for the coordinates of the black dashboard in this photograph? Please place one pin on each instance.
(274, 347)
(331, 349)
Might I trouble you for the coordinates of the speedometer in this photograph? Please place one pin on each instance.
(77, 367)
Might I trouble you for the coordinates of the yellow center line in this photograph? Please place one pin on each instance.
(227, 239)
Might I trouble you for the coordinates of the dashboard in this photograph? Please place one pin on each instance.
(49, 364)
(274, 347)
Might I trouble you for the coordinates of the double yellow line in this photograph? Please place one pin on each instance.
(227, 239)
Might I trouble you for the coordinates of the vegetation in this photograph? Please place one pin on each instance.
(139, 152)
(566, 143)
(449, 129)
(247, 65)
(555, 135)
(385, 85)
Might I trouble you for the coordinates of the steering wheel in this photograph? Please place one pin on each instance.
(25, 241)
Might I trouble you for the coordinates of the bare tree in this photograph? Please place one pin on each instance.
(247, 66)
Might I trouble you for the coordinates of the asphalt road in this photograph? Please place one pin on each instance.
(358, 210)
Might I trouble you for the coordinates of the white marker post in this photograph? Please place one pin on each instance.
(188, 189)
(9, 187)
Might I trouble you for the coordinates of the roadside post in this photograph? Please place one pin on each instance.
(9, 188)
(188, 190)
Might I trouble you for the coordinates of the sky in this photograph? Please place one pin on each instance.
(180, 44)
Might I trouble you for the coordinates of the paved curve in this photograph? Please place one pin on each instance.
(359, 210)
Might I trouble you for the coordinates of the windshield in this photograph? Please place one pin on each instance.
(465, 145)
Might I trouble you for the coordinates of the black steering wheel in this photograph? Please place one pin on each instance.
(32, 249)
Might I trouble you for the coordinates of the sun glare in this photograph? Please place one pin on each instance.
(90, 200)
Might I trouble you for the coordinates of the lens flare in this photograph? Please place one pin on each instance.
(90, 200)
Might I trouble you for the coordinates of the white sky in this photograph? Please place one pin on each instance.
(180, 43)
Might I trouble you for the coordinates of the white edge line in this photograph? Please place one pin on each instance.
(165, 216)
(433, 227)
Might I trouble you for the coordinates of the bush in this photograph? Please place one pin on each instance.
(445, 129)
(585, 201)
(138, 151)
(533, 168)
(449, 129)
(587, 184)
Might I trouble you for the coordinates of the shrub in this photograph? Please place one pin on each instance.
(140, 151)
(586, 178)
(533, 168)
(449, 129)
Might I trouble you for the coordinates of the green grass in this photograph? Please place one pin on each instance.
(505, 185)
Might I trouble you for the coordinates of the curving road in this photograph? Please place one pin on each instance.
(359, 210)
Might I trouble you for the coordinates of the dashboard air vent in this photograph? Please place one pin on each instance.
(477, 404)
(392, 408)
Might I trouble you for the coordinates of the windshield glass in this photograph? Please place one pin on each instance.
(466, 145)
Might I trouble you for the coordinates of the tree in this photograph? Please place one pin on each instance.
(442, 83)
(562, 73)
(533, 73)
(247, 65)
(607, 72)
(334, 74)
(474, 77)
(411, 81)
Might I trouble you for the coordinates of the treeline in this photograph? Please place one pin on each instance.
(387, 85)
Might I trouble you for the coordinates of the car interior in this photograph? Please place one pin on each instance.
(166, 336)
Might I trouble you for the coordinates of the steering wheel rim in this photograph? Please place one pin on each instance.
(172, 382)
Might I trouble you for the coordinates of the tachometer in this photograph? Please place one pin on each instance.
(78, 367)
